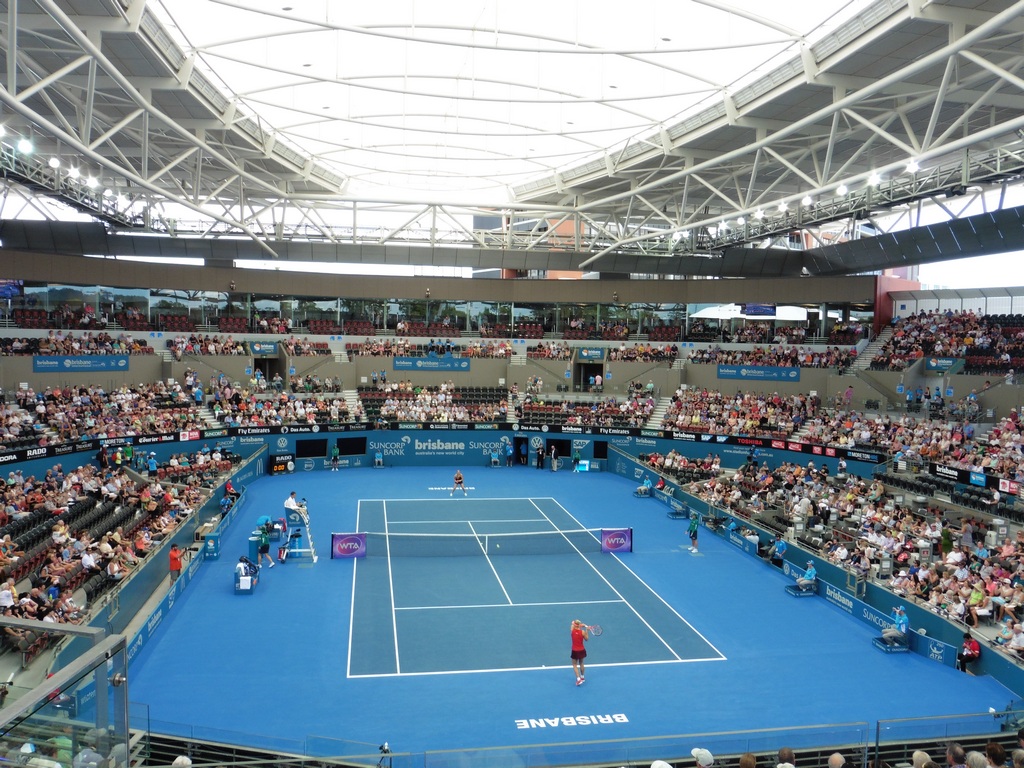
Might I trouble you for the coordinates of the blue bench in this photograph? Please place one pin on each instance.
(808, 591)
(881, 645)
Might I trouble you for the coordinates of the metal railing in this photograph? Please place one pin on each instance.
(863, 744)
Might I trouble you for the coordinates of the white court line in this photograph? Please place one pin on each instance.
(530, 499)
(491, 565)
(391, 587)
(590, 665)
(613, 589)
(502, 605)
(352, 602)
(533, 501)
(396, 523)
(446, 521)
(655, 593)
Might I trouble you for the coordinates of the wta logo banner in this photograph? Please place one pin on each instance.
(348, 545)
(616, 539)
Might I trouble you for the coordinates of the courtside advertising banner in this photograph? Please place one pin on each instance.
(348, 545)
(759, 372)
(446, 363)
(616, 539)
(79, 363)
(263, 348)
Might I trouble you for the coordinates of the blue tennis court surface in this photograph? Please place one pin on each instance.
(476, 611)
(471, 651)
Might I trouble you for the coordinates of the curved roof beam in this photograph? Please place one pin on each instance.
(850, 101)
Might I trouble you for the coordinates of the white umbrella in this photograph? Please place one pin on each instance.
(735, 311)
(721, 312)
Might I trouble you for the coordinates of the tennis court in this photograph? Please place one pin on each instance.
(472, 585)
(440, 653)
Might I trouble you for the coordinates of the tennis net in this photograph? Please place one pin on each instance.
(468, 544)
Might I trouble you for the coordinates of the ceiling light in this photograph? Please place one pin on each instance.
(806, 202)
(842, 189)
(874, 180)
(913, 167)
(108, 192)
(783, 207)
(25, 146)
(73, 172)
(3, 130)
(91, 182)
(54, 163)
(758, 214)
(741, 221)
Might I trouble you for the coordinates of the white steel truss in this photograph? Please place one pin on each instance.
(825, 138)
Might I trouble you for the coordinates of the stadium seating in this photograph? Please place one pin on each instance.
(175, 323)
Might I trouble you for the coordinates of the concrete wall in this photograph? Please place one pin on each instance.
(234, 367)
(483, 372)
(60, 270)
(819, 380)
(992, 393)
(17, 369)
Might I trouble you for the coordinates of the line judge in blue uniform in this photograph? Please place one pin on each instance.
(897, 633)
(807, 580)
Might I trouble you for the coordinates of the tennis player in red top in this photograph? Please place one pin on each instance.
(579, 650)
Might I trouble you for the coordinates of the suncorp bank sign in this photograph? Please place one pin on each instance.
(390, 447)
(488, 446)
(426, 447)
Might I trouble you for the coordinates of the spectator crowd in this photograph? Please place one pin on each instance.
(948, 334)
(755, 414)
(60, 342)
(781, 356)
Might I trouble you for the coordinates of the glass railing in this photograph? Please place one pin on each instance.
(643, 751)
(946, 728)
(617, 752)
(80, 709)
(254, 740)
(894, 741)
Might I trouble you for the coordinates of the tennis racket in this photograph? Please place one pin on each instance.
(594, 629)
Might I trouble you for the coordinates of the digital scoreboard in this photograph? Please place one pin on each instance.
(282, 463)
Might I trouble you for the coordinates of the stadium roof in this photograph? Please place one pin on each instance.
(650, 137)
(467, 99)
(942, 294)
